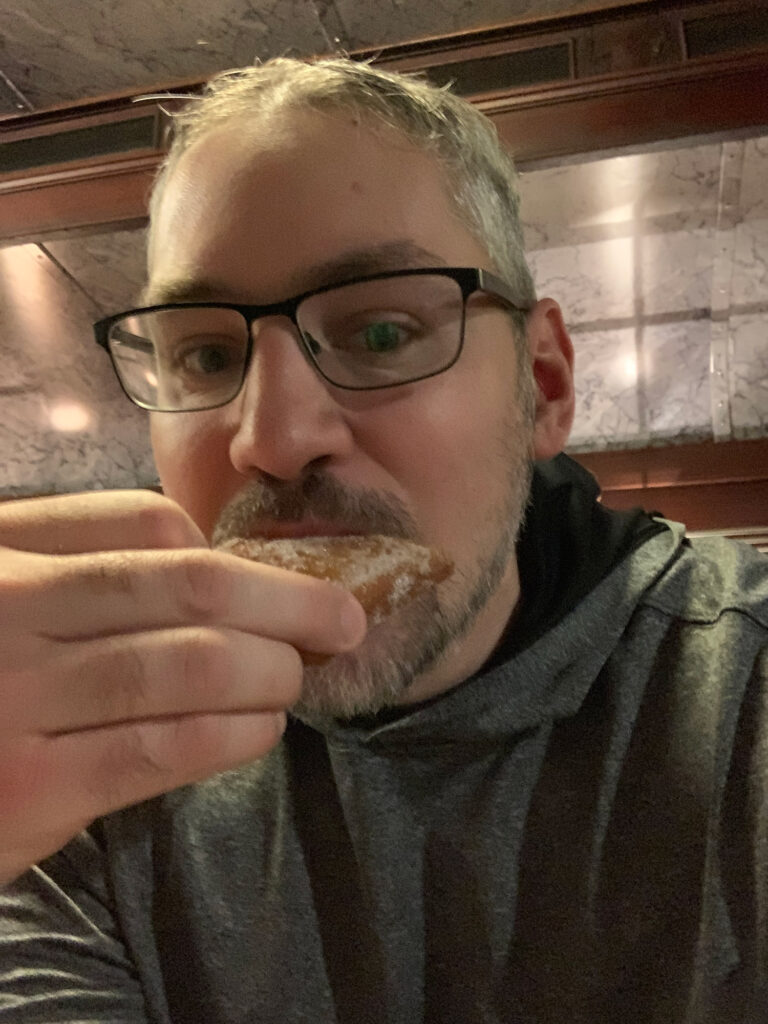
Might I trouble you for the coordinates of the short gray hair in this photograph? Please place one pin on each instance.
(480, 174)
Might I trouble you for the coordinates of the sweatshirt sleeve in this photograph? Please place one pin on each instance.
(61, 953)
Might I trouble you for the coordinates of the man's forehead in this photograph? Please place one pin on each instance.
(231, 219)
(398, 254)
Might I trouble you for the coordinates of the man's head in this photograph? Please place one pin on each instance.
(479, 174)
(293, 177)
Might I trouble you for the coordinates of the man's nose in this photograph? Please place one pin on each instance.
(288, 418)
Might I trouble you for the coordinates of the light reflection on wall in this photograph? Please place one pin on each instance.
(69, 417)
(31, 295)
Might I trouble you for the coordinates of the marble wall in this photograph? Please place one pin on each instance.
(66, 425)
(659, 260)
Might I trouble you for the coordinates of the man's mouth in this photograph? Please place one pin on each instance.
(292, 530)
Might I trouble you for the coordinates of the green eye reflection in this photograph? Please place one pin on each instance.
(382, 336)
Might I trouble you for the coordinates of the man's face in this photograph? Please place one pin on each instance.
(296, 202)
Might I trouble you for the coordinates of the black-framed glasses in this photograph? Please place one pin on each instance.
(378, 331)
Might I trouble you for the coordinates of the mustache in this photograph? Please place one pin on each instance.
(316, 496)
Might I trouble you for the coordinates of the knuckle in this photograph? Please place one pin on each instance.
(203, 587)
(206, 744)
(197, 741)
(163, 522)
(129, 692)
(206, 666)
(133, 762)
(112, 573)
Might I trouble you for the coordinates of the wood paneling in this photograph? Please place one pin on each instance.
(718, 95)
(91, 196)
(709, 486)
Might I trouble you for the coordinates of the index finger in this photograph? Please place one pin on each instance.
(131, 591)
(98, 521)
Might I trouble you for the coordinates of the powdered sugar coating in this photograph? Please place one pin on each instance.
(382, 572)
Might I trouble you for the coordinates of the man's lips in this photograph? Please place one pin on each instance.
(274, 530)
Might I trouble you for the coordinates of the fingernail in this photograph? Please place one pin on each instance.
(353, 622)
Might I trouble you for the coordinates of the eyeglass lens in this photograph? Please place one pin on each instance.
(368, 334)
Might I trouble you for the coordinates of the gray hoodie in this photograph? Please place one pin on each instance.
(578, 834)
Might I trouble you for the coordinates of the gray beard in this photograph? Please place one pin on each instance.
(394, 653)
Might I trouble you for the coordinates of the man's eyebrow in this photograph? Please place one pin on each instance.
(389, 256)
(379, 259)
(184, 289)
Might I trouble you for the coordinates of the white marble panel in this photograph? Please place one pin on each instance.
(754, 183)
(66, 424)
(676, 379)
(109, 267)
(591, 199)
(607, 401)
(749, 375)
(675, 272)
(749, 283)
(592, 282)
(749, 280)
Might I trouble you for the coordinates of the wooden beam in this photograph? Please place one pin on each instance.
(94, 196)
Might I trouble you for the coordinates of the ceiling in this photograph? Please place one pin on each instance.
(54, 51)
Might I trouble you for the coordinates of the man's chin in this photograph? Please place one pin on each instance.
(378, 673)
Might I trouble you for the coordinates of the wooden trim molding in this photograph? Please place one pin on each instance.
(709, 96)
(94, 195)
(708, 486)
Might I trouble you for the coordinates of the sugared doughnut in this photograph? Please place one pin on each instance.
(382, 572)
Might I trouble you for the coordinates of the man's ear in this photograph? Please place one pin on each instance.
(551, 354)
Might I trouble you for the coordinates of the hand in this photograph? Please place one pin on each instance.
(134, 660)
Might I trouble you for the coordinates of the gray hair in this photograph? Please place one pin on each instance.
(480, 174)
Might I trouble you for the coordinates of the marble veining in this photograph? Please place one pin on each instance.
(593, 281)
(749, 282)
(754, 183)
(607, 399)
(749, 375)
(675, 270)
(620, 195)
(676, 379)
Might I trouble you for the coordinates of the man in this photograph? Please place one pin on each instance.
(535, 795)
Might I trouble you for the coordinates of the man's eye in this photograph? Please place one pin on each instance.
(383, 336)
(207, 359)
